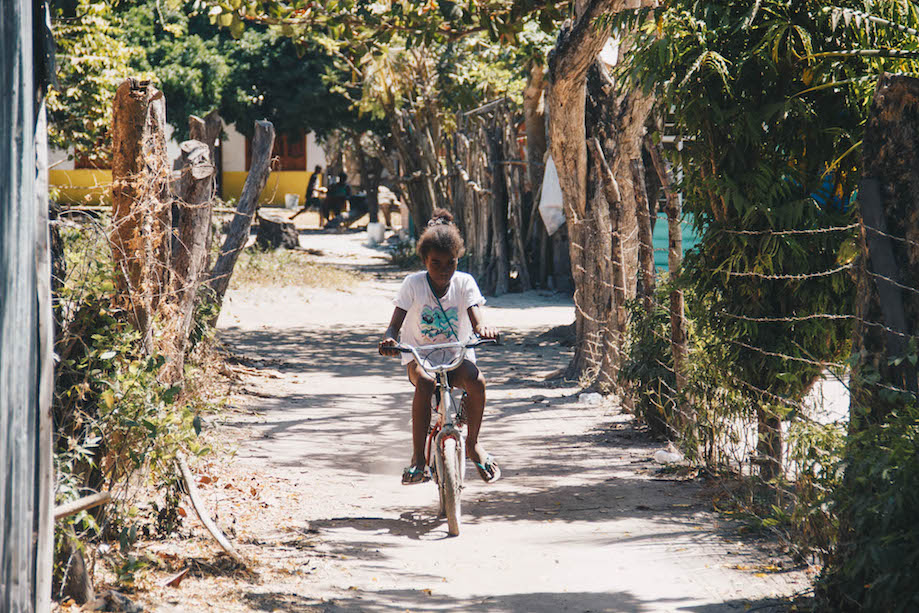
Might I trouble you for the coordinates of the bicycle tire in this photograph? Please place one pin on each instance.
(451, 486)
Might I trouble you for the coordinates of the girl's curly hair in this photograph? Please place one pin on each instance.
(441, 234)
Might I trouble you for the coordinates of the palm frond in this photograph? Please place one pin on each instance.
(849, 15)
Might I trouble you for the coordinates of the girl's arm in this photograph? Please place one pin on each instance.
(478, 323)
(389, 337)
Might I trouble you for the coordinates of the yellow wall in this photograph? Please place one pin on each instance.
(82, 186)
(279, 183)
(94, 186)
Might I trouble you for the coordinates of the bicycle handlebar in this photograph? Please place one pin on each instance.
(447, 366)
(478, 342)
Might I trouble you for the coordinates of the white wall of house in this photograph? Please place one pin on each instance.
(233, 149)
(314, 153)
(57, 159)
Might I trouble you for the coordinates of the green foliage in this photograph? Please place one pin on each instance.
(756, 154)
(191, 67)
(403, 255)
(199, 68)
(876, 562)
(719, 411)
(117, 427)
(362, 25)
(295, 84)
(648, 367)
(770, 99)
(93, 59)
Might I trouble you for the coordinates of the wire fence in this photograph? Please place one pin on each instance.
(782, 427)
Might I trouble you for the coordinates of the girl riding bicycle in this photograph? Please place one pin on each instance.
(441, 305)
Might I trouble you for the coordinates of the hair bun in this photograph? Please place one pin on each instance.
(441, 216)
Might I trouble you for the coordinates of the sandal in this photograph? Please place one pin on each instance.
(412, 475)
(488, 469)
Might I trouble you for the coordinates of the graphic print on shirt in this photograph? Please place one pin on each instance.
(434, 324)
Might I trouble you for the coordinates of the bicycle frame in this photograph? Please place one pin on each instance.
(448, 461)
(447, 413)
(445, 423)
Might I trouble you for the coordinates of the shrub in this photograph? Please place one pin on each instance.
(876, 561)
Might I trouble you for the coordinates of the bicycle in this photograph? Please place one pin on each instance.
(446, 438)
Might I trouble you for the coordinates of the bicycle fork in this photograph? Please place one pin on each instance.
(445, 428)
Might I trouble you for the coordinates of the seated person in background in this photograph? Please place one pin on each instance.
(311, 199)
(388, 201)
(336, 199)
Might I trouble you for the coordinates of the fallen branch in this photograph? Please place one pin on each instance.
(81, 504)
(198, 505)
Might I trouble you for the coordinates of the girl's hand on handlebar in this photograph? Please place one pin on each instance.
(488, 332)
(388, 346)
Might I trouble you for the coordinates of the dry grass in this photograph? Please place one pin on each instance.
(284, 268)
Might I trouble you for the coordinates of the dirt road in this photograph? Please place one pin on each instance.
(582, 520)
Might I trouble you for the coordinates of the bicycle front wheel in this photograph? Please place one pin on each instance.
(451, 484)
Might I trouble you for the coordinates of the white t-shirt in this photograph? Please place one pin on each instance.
(425, 323)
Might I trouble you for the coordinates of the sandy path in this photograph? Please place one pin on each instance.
(581, 520)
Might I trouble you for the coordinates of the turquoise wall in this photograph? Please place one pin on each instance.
(690, 238)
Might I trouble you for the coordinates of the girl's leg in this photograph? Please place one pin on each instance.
(421, 411)
(468, 377)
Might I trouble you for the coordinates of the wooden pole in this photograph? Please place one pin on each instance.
(202, 514)
(141, 210)
(260, 168)
(673, 208)
(194, 198)
(25, 320)
(81, 504)
(44, 530)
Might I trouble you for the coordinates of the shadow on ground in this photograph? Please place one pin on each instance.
(399, 601)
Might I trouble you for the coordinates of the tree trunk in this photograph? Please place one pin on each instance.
(276, 232)
(578, 44)
(194, 192)
(647, 276)
(534, 115)
(499, 204)
(238, 233)
(883, 379)
(76, 583)
(373, 176)
(618, 118)
(768, 441)
(886, 316)
(141, 209)
(612, 195)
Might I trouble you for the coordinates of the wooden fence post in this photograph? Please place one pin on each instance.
(674, 263)
(194, 192)
(141, 208)
(260, 168)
